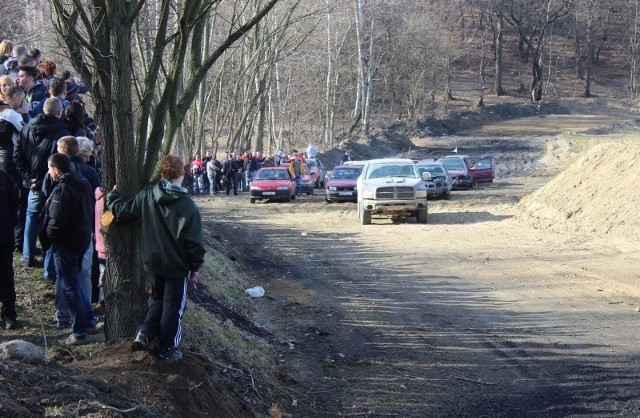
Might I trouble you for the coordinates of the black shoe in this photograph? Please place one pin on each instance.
(141, 342)
(170, 354)
(30, 263)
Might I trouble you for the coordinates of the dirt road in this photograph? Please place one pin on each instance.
(474, 314)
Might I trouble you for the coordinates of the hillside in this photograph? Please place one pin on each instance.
(597, 195)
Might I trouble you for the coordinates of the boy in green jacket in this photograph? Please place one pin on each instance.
(172, 250)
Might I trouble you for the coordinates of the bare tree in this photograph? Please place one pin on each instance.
(634, 46)
(98, 34)
(532, 20)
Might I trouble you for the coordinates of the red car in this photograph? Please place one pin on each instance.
(341, 183)
(274, 183)
(484, 170)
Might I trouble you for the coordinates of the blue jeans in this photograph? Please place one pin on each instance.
(298, 178)
(62, 309)
(49, 265)
(68, 264)
(198, 184)
(35, 202)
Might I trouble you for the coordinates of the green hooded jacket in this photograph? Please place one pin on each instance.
(172, 243)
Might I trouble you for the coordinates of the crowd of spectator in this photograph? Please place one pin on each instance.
(236, 170)
(49, 177)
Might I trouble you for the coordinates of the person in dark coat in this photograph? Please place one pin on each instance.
(229, 172)
(37, 142)
(67, 228)
(8, 198)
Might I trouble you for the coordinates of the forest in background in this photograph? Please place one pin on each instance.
(312, 71)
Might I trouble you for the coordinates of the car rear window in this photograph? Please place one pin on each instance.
(346, 173)
(453, 164)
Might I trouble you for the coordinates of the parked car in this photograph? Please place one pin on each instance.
(484, 170)
(316, 169)
(341, 183)
(459, 166)
(441, 181)
(273, 183)
(392, 186)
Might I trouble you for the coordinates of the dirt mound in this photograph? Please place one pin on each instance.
(114, 381)
(595, 196)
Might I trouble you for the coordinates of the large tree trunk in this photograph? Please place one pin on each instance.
(125, 283)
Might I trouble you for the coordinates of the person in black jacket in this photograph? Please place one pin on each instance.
(172, 251)
(12, 120)
(229, 171)
(7, 285)
(69, 146)
(37, 142)
(67, 227)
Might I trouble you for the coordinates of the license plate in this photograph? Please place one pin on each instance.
(268, 193)
(345, 193)
(396, 208)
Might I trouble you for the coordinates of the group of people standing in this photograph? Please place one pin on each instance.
(233, 173)
(48, 173)
(51, 193)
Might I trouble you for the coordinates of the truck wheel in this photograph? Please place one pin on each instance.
(365, 216)
(289, 198)
(422, 216)
(252, 200)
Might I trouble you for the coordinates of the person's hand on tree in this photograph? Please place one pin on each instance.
(193, 277)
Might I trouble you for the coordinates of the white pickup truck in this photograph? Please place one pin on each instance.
(392, 186)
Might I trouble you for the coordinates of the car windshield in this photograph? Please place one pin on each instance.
(391, 170)
(346, 173)
(271, 175)
(434, 170)
(453, 164)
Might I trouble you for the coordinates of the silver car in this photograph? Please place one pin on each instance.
(441, 181)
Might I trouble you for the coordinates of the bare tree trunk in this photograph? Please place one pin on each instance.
(357, 109)
(577, 46)
(327, 137)
(370, 73)
(633, 50)
(483, 56)
(590, 50)
(498, 90)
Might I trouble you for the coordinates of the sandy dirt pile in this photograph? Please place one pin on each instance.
(597, 195)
